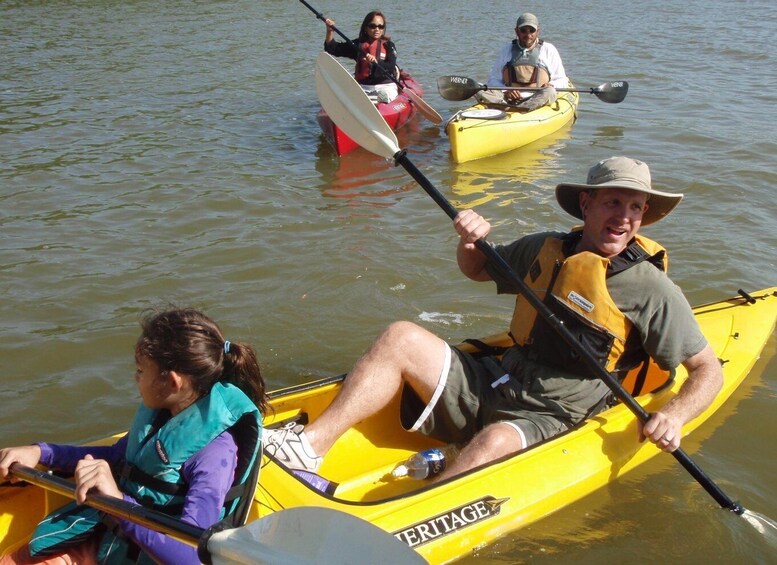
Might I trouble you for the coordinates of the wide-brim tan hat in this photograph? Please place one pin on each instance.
(619, 172)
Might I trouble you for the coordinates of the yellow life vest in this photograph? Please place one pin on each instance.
(574, 288)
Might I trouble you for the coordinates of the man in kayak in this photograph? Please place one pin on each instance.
(604, 281)
(527, 61)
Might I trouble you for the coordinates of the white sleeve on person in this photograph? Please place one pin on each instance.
(503, 57)
(552, 60)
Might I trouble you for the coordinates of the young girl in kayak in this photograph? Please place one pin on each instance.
(191, 450)
(374, 53)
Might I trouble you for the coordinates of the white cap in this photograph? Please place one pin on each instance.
(400, 471)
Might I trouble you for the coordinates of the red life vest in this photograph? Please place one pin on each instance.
(375, 48)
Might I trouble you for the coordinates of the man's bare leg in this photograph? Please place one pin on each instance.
(403, 353)
(492, 442)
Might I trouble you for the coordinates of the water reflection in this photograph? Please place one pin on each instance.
(505, 176)
(606, 135)
(363, 178)
(359, 177)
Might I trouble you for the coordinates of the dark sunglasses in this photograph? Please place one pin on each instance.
(376, 26)
(526, 29)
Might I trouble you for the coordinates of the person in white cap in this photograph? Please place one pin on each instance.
(527, 61)
(604, 280)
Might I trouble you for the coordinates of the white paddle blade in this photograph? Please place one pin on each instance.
(309, 535)
(350, 108)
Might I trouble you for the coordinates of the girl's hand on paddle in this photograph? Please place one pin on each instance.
(330, 23)
(663, 430)
(471, 227)
(94, 475)
(28, 455)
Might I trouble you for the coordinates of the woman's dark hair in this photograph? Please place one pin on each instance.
(363, 32)
(188, 342)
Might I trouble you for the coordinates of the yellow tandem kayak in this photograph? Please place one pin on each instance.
(448, 520)
(481, 131)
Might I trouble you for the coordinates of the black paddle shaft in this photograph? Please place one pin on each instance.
(460, 88)
(548, 316)
(322, 17)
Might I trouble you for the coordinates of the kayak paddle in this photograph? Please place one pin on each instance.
(461, 88)
(350, 108)
(426, 111)
(305, 535)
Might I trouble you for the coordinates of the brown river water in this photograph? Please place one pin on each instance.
(157, 152)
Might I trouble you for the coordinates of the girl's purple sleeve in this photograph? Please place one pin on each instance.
(66, 457)
(209, 474)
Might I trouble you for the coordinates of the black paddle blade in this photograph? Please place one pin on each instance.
(612, 92)
(457, 88)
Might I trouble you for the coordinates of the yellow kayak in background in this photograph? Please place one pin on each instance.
(447, 520)
(482, 130)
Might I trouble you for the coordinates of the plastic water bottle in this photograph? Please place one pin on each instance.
(427, 463)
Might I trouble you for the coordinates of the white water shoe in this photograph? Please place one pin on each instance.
(289, 445)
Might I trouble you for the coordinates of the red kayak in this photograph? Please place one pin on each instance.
(396, 113)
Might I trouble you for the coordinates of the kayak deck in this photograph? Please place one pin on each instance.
(473, 137)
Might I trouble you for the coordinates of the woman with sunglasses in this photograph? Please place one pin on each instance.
(374, 53)
(529, 62)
